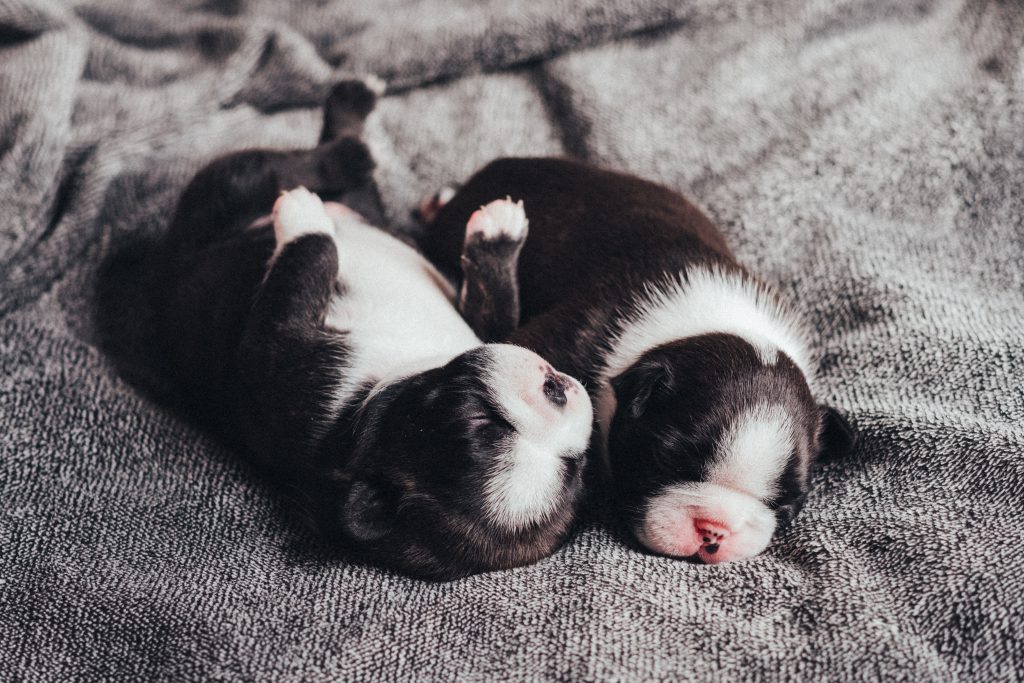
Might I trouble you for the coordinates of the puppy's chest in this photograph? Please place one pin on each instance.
(395, 307)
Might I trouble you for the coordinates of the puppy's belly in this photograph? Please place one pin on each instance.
(398, 311)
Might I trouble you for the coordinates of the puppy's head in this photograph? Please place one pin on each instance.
(711, 446)
(469, 467)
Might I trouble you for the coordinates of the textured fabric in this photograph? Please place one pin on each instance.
(867, 157)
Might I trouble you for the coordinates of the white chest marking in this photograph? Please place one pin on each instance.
(398, 311)
(526, 481)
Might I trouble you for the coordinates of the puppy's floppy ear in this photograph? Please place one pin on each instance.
(368, 510)
(784, 514)
(838, 437)
(642, 385)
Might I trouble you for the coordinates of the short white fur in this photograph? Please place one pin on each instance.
(398, 311)
(500, 219)
(668, 523)
(754, 451)
(525, 483)
(296, 213)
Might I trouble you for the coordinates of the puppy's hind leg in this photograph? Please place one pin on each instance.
(489, 298)
(345, 111)
(233, 191)
(348, 104)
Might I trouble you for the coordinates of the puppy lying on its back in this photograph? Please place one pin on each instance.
(334, 353)
(700, 372)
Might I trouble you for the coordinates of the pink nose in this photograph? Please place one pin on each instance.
(711, 534)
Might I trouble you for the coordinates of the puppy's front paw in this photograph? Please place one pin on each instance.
(299, 212)
(500, 221)
(348, 105)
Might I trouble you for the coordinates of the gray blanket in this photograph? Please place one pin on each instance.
(865, 155)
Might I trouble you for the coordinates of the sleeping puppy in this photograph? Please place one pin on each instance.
(700, 373)
(334, 353)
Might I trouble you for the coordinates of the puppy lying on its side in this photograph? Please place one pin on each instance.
(699, 371)
(333, 351)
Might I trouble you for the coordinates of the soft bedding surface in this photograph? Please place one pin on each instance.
(866, 156)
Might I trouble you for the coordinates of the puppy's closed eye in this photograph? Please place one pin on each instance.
(492, 424)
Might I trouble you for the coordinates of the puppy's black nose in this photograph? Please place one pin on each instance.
(554, 389)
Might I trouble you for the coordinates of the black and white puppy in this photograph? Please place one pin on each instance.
(700, 373)
(334, 353)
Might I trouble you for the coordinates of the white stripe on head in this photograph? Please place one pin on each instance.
(753, 452)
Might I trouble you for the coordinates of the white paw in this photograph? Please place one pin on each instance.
(444, 195)
(431, 206)
(502, 218)
(376, 84)
(299, 212)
